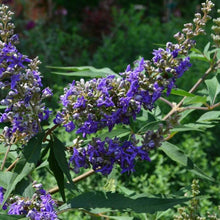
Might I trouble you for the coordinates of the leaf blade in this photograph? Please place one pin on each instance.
(213, 87)
(174, 153)
(116, 201)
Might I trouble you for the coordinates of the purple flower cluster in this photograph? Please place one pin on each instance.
(40, 206)
(108, 101)
(93, 105)
(102, 155)
(21, 79)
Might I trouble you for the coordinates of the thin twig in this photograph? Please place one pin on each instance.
(49, 131)
(166, 101)
(200, 108)
(75, 180)
(12, 165)
(5, 157)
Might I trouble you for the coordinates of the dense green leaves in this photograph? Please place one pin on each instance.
(103, 202)
(30, 157)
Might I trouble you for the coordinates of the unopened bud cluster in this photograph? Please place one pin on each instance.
(40, 206)
(20, 80)
(216, 30)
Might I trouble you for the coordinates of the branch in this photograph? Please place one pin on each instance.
(200, 108)
(75, 180)
(12, 165)
(176, 108)
(5, 157)
(167, 102)
(49, 131)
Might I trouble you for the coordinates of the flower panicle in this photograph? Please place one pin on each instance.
(20, 80)
(40, 206)
(103, 155)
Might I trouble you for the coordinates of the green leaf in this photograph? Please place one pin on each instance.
(196, 50)
(59, 154)
(195, 56)
(201, 125)
(206, 51)
(5, 178)
(118, 132)
(24, 188)
(195, 99)
(58, 174)
(85, 71)
(213, 88)
(184, 128)
(175, 154)
(11, 217)
(115, 201)
(121, 217)
(154, 125)
(31, 156)
(209, 116)
(181, 92)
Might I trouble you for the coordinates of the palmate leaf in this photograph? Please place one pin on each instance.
(31, 155)
(174, 153)
(97, 202)
(84, 71)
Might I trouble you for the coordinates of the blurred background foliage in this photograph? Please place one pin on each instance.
(110, 33)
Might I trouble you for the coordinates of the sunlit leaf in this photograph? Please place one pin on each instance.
(209, 116)
(84, 71)
(206, 51)
(195, 99)
(174, 153)
(181, 92)
(213, 88)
